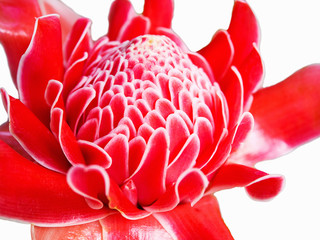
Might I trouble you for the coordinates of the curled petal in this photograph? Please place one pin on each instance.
(91, 182)
(259, 185)
(31, 193)
(41, 62)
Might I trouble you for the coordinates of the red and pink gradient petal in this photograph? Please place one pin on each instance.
(286, 116)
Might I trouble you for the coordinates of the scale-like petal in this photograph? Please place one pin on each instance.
(286, 115)
(202, 221)
(31, 193)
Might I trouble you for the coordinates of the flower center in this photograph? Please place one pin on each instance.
(136, 87)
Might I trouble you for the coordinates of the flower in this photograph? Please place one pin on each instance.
(124, 131)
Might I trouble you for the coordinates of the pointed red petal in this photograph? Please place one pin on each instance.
(41, 62)
(243, 30)
(117, 227)
(150, 175)
(286, 116)
(35, 138)
(160, 12)
(79, 41)
(92, 231)
(202, 221)
(219, 53)
(121, 11)
(31, 193)
(65, 137)
(137, 26)
(251, 71)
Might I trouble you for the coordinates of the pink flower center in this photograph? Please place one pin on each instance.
(132, 91)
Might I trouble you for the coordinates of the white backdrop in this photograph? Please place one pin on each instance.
(290, 40)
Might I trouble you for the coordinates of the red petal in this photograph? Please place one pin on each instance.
(79, 41)
(185, 159)
(202, 221)
(17, 20)
(219, 54)
(251, 71)
(150, 175)
(91, 182)
(92, 231)
(160, 12)
(64, 135)
(35, 138)
(121, 11)
(118, 150)
(94, 155)
(7, 137)
(138, 25)
(41, 62)
(22, 12)
(286, 116)
(233, 91)
(259, 185)
(243, 30)
(29, 192)
(117, 227)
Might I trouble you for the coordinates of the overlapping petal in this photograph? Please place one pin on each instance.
(31, 193)
(17, 18)
(136, 129)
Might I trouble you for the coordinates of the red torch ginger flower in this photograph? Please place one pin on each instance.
(130, 135)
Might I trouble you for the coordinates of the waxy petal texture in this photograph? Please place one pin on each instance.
(42, 60)
(17, 18)
(34, 194)
(202, 221)
(286, 116)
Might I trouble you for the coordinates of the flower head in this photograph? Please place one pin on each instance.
(135, 126)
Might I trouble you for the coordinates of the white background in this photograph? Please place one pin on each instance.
(290, 40)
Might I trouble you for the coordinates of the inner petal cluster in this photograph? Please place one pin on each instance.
(156, 115)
